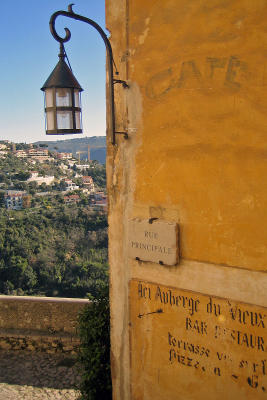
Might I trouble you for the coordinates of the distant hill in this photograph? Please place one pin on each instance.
(97, 147)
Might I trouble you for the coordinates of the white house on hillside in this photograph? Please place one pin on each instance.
(40, 179)
(71, 185)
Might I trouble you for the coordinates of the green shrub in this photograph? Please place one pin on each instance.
(94, 354)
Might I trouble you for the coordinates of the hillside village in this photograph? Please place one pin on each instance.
(53, 222)
(32, 176)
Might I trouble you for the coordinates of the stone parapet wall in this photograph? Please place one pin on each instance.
(39, 323)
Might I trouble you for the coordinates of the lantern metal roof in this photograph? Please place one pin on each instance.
(61, 77)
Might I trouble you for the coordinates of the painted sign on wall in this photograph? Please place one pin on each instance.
(178, 337)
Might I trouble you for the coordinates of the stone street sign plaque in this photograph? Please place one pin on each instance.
(185, 345)
(154, 240)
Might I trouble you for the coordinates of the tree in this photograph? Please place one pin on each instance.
(20, 185)
(23, 175)
(43, 187)
(94, 355)
(2, 199)
(32, 186)
(62, 185)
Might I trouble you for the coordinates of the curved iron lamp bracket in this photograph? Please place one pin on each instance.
(111, 81)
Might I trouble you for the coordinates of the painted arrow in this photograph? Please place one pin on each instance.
(159, 311)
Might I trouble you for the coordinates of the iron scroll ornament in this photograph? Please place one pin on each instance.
(111, 80)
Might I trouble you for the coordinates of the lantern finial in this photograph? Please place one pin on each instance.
(62, 53)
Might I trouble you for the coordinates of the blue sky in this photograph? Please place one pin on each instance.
(28, 54)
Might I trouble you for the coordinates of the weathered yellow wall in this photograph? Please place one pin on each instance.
(196, 116)
(201, 69)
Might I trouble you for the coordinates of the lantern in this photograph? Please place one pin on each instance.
(62, 100)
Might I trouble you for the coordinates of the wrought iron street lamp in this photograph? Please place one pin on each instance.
(62, 100)
(63, 92)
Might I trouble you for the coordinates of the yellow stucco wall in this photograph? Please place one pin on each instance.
(201, 68)
(196, 116)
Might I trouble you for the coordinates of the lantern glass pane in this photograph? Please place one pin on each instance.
(50, 120)
(63, 97)
(49, 98)
(64, 120)
(77, 98)
(78, 119)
